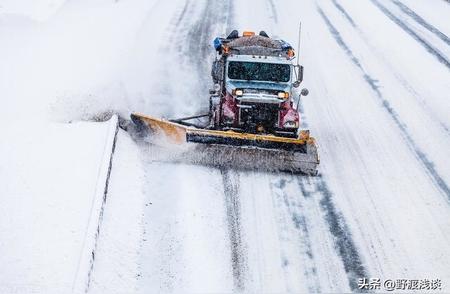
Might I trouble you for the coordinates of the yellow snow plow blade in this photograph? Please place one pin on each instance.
(258, 150)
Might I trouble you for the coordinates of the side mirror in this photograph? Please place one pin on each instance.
(299, 75)
(303, 92)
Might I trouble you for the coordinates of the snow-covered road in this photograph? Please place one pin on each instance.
(378, 72)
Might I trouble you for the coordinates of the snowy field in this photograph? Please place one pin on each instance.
(378, 72)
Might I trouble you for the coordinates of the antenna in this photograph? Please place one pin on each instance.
(299, 38)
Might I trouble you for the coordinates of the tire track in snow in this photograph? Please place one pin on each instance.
(201, 33)
(432, 50)
(233, 211)
(409, 88)
(420, 155)
(166, 49)
(199, 36)
(196, 46)
(188, 43)
(183, 13)
(343, 239)
(296, 209)
(344, 13)
(195, 39)
(179, 27)
(422, 21)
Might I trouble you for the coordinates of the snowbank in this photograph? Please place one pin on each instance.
(116, 268)
(57, 64)
(48, 180)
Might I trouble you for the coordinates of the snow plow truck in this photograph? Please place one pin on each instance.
(252, 122)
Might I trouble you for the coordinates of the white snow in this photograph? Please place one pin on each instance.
(118, 265)
(48, 179)
(51, 172)
(378, 107)
(39, 10)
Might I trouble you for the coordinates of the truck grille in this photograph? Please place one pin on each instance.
(252, 114)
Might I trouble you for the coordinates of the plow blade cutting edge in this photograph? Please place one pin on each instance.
(236, 150)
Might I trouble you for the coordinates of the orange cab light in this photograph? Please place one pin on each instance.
(248, 34)
(290, 53)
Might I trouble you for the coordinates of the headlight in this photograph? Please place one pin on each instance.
(238, 92)
(291, 124)
(283, 95)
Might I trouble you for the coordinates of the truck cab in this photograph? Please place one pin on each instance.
(254, 77)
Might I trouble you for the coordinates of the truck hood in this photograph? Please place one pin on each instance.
(231, 85)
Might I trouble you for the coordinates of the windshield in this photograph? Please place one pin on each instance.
(259, 71)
